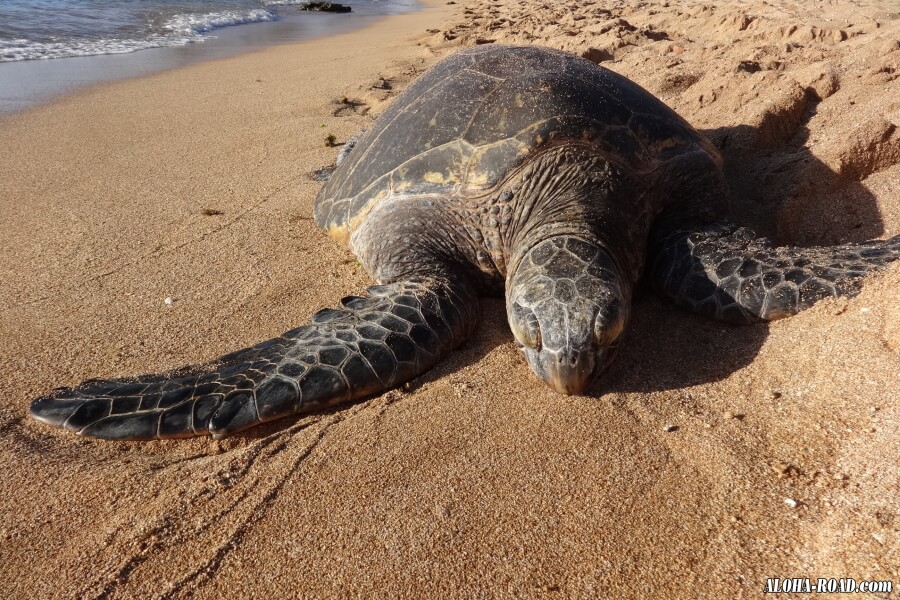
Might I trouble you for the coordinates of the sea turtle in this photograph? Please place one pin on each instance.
(521, 167)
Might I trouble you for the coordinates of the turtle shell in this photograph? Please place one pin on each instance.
(476, 115)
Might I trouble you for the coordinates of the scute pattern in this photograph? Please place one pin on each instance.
(567, 306)
(366, 346)
(479, 113)
(585, 277)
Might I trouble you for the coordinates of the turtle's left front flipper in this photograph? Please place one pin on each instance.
(368, 345)
(728, 273)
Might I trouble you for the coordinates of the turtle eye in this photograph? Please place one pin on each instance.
(610, 323)
(525, 326)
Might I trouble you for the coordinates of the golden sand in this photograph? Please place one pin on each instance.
(477, 481)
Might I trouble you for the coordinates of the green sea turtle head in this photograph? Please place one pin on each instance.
(567, 307)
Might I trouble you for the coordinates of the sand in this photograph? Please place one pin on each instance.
(474, 481)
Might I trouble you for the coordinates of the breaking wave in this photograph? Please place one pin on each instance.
(178, 30)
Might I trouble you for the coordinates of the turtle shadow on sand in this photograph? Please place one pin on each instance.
(789, 195)
(669, 348)
(772, 191)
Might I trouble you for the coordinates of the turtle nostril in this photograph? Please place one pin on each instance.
(567, 357)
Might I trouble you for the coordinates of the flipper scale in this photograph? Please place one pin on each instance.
(730, 274)
(367, 346)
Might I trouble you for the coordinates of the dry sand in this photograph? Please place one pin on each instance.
(476, 481)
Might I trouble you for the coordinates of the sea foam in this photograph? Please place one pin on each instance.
(178, 30)
(190, 25)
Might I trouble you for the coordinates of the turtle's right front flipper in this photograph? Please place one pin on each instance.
(369, 345)
(728, 273)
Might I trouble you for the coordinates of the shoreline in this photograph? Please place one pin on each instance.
(30, 83)
(196, 185)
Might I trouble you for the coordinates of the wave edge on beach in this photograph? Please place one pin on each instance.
(179, 30)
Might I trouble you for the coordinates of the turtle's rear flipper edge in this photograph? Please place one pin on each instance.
(728, 273)
(368, 345)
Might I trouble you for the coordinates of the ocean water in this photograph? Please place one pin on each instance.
(49, 47)
(41, 29)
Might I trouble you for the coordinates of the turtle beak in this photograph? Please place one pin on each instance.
(570, 372)
(566, 371)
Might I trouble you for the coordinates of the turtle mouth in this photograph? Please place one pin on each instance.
(570, 372)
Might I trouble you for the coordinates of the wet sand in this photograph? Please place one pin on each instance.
(475, 481)
(28, 83)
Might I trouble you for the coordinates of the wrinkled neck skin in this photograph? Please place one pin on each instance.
(571, 190)
(576, 252)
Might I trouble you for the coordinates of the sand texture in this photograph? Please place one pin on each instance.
(474, 481)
